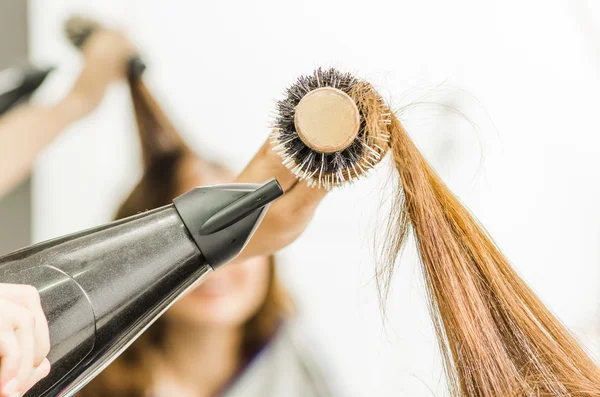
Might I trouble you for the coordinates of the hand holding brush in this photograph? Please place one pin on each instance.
(106, 55)
(80, 30)
(288, 217)
(324, 139)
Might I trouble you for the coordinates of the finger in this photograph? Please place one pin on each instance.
(302, 197)
(20, 320)
(265, 165)
(40, 372)
(109, 50)
(29, 297)
(41, 333)
(128, 47)
(10, 354)
(23, 323)
(12, 290)
(297, 206)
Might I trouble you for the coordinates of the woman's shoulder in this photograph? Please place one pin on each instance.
(288, 366)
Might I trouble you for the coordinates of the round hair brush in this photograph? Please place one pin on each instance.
(331, 128)
(79, 29)
(496, 336)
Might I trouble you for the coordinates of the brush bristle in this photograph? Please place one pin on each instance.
(328, 170)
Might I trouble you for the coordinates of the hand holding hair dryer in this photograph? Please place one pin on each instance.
(101, 288)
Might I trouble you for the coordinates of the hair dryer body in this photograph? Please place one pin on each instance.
(101, 288)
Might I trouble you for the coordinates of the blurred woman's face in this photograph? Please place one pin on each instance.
(232, 295)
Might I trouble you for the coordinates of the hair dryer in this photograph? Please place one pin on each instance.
(17, 85)
(101, 288)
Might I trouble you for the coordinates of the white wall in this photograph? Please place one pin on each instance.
(530, 172)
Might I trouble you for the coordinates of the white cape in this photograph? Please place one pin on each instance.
(284, 368)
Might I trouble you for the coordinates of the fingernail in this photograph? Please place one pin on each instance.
(15, 394)
(10, 388)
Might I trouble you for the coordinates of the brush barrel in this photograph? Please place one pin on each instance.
(102, 287)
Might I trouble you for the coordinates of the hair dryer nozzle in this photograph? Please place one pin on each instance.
(242, 207)
(224, 222)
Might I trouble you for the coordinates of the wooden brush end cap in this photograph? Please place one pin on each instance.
(327, 120)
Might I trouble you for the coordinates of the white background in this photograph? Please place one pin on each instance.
(525, 73)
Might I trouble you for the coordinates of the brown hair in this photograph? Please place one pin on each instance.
(496, 337)
(165, 158)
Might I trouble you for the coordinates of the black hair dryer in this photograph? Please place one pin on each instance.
(101, 288)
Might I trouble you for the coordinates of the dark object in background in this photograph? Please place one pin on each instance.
(18, 84)
(102, 287)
